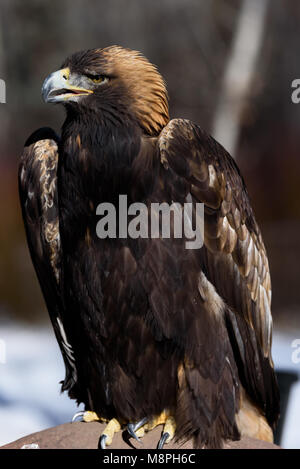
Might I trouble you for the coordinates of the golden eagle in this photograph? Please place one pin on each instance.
(150, 332)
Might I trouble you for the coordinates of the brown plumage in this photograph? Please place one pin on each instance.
(146, 325)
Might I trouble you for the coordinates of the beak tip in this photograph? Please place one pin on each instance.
(46, 89)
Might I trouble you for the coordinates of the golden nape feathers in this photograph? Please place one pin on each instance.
(145, 85)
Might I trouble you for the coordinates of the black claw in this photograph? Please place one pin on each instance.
(163, 439)
(133, 427)
(130, 429)
(103, 441)
(78, 414)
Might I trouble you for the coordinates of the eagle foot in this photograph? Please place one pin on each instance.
(138, 429)
(88, 416)
(135, 430)
(168, 432)
(111, 428)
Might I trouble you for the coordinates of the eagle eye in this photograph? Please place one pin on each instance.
(97, 78)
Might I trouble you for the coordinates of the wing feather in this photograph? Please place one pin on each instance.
(234, 255)
(38, 197)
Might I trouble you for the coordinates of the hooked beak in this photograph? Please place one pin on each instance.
(61, 86)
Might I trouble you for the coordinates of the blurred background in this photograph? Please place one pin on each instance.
(229, 66)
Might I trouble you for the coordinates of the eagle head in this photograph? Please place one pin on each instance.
(115, 83)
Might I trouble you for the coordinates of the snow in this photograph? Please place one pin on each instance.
(31, 368)
(30, 398)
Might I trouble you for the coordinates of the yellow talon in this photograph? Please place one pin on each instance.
(159, 420)
(164, 419)
(90, 416)
(170, 427)
(111, 428)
